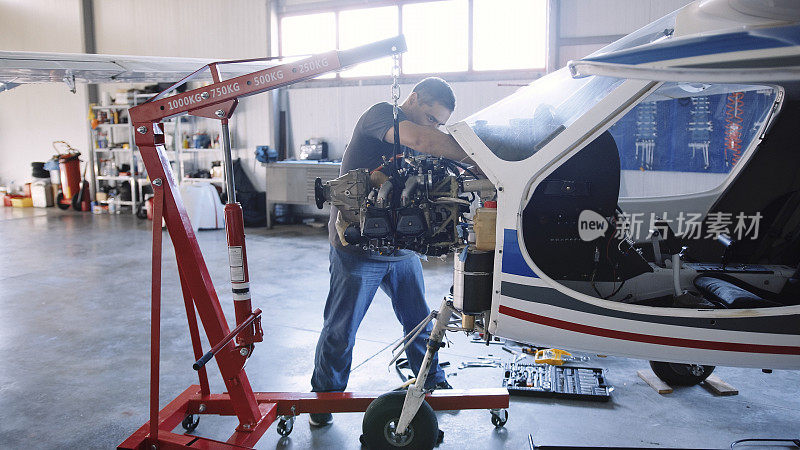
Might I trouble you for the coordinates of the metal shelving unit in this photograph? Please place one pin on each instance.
(201, 157)
(113, 153)
(116, 153)
(183, 159)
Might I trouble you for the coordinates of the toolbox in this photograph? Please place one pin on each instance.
(544, 380)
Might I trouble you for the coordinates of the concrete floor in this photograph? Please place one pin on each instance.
(74, 304)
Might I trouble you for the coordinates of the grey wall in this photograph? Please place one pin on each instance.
(194, 28)
(33, 116)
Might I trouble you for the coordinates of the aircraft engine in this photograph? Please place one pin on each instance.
(416, 204)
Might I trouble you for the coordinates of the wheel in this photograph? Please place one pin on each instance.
(676, 374)
(285, 427)
(141, 212)
(190, 423)
(380, 421)
(499, 418)
(59, 202)
(76, 201)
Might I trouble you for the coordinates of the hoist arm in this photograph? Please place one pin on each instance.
(206, 101)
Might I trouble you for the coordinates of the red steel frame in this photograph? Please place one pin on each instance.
(255, 411)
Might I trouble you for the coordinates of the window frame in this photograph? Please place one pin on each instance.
(469, 75)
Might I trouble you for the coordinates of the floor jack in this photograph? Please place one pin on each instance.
(256, 411)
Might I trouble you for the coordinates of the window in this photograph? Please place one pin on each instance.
(443, 36)
(362, 26)
(308, 34)
(437, 37)
(503, 41)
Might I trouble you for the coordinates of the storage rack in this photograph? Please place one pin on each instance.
(137, 177)
(115, 151)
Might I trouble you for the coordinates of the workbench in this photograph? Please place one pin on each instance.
(292, 182)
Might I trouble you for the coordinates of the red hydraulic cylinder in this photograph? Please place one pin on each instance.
(240, 278)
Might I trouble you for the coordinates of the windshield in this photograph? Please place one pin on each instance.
(521, 124)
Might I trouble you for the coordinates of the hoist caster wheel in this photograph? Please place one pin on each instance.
(499, 418)
(285, 427)
(189, 422)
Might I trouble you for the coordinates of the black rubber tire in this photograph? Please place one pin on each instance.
(60, 205)
(76, 203)
(499, 420)
(284, 428)
(189, 422)
(423, 430)
(677, 374)
(76, 199)
(141, 212)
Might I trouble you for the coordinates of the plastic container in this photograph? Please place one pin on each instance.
(42, 194)
(485, 226)
(21, 202)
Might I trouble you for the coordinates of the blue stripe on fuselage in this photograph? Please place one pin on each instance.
(513, 262)
(777, 37)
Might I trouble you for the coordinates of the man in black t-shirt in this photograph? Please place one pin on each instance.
(357, 274)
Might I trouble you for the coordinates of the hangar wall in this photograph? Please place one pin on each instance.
(195, 29)
(224, 30)
(33, 116)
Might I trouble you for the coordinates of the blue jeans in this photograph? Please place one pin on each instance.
(354, 282)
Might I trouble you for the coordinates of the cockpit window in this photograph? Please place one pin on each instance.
(695, 133)
(526, 121)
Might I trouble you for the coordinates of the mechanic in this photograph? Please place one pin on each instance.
(356, 274)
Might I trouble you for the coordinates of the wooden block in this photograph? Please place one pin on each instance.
(719, 387)
(654, 382)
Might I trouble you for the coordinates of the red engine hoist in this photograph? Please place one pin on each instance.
(256, 411)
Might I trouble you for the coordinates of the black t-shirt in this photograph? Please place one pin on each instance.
(366, 151)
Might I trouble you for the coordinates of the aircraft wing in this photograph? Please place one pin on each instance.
(33, 67)
(761, 54)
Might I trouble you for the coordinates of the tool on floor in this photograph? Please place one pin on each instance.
(255, 411)
(546, 380)
(556, 357)
(481, 363)
(518, 349)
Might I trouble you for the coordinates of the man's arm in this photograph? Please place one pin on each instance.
(427, 140)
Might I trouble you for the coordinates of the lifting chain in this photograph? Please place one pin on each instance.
(395, 82)
(395, 110)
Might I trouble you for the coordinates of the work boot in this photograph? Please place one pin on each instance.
(320, 419)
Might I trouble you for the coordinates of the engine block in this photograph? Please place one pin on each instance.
(416, 205)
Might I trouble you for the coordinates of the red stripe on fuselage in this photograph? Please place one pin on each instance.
(638, 337)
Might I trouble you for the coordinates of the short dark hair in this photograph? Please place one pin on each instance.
(435, 89)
